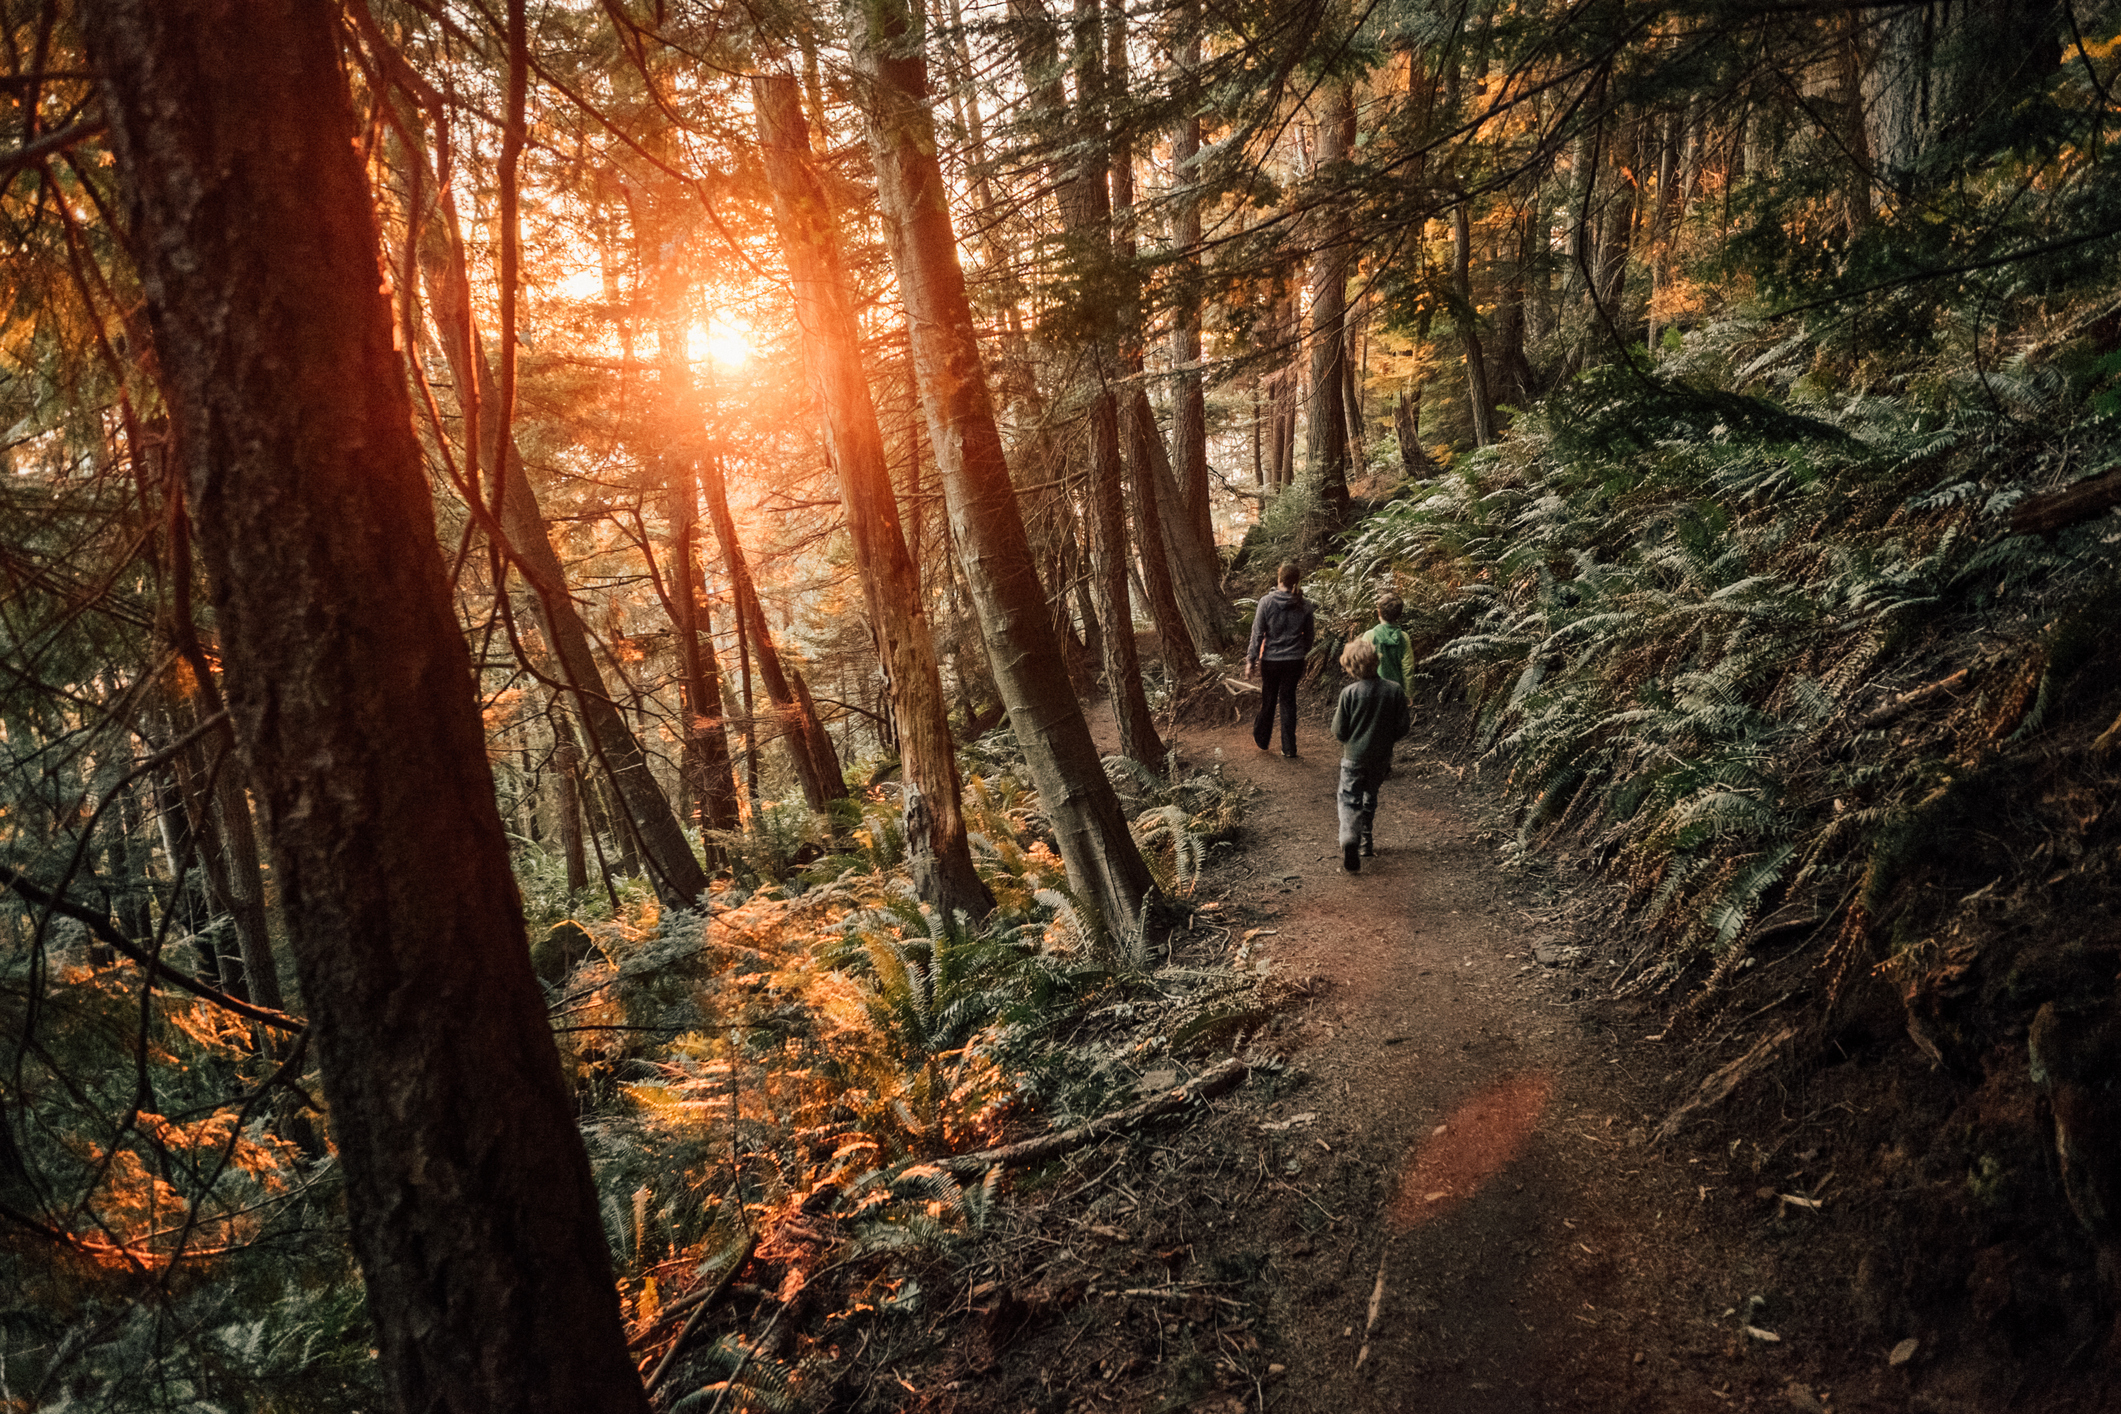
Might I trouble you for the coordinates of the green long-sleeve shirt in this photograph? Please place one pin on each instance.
(1371, 715)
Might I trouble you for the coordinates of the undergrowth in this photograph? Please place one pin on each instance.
(765, 1089)
(1687, 626)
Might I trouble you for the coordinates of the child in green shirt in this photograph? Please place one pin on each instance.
(1390, 639)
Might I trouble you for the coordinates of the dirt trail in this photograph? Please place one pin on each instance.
(1456, 1141)
(1477, 1170)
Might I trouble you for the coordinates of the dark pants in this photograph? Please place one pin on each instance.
(1277, 685)
(1359, 782)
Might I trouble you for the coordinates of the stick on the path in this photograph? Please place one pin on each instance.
(1208, 1084)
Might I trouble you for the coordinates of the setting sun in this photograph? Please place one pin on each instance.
(722, 340)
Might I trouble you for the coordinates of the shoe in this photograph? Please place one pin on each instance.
(1351, 858)
(1369, 848)
(1286, 755)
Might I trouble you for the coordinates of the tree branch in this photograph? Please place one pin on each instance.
(102, 929)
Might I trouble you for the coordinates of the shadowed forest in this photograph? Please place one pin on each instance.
(620, 626)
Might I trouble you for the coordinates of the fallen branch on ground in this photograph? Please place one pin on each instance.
(1206, 1085)
(1879, 716)
(1718, 1087)
(701, 1301)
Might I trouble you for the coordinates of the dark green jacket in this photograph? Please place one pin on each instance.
(1370, 716)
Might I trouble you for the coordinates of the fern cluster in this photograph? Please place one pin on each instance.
(1683, 617)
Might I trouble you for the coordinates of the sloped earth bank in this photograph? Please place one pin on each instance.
(1440, 1189)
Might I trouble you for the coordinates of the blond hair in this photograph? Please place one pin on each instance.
(1359, 658)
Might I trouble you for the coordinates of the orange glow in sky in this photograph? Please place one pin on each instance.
(727, 341)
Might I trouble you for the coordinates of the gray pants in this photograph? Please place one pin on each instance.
(1359, 782)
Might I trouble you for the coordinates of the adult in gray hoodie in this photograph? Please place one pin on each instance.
(1283, 628)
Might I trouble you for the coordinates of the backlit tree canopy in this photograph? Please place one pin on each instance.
(717, 512)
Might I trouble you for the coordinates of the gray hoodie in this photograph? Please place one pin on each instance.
(1282, 629)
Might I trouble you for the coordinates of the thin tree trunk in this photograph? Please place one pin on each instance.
(647, 822)
(706, 744)
(567, 797)
(942, 859)
(817, 765)
(1406, 424)
(1105, 866)
(1329, 308)
(1152, 539)
(1477, 395)
(1143, 441)
(470, 1200)
(1086, 215)
(707, 769)
(1196, 570)
(1190, 417)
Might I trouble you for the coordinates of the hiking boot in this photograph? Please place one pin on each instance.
(1369, 846)
(1350, 858)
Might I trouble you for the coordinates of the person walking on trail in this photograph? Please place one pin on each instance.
(1368, 721)
(1391, 640)
(1283, 629)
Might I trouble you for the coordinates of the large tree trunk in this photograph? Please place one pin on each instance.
(1190, 418)
(832, 360)
(1105, 867)
(471, 1205)
(817, 765)
(1329, 308)
(648, 823)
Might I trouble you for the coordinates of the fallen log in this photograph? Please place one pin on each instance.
(2043, 515)
(1208, 1084)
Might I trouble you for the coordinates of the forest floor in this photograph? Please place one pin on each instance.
(1446, 1196)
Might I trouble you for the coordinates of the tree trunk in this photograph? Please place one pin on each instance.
(709, 769)
(1190, 418)
(817, 765)
(1329, 309)
(1152, 539)
(647, 822)
(1105, 867)
(1143, 440)
(832, 361)
(1483, 405)
(1085, 203)
(1196, 570)
(1406, 423)
(567, 798)
(471, 1205)
(1286, 382)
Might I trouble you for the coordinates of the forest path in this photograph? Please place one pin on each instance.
(1475, 1167)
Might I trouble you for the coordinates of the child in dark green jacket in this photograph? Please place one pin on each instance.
(1369, 719)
